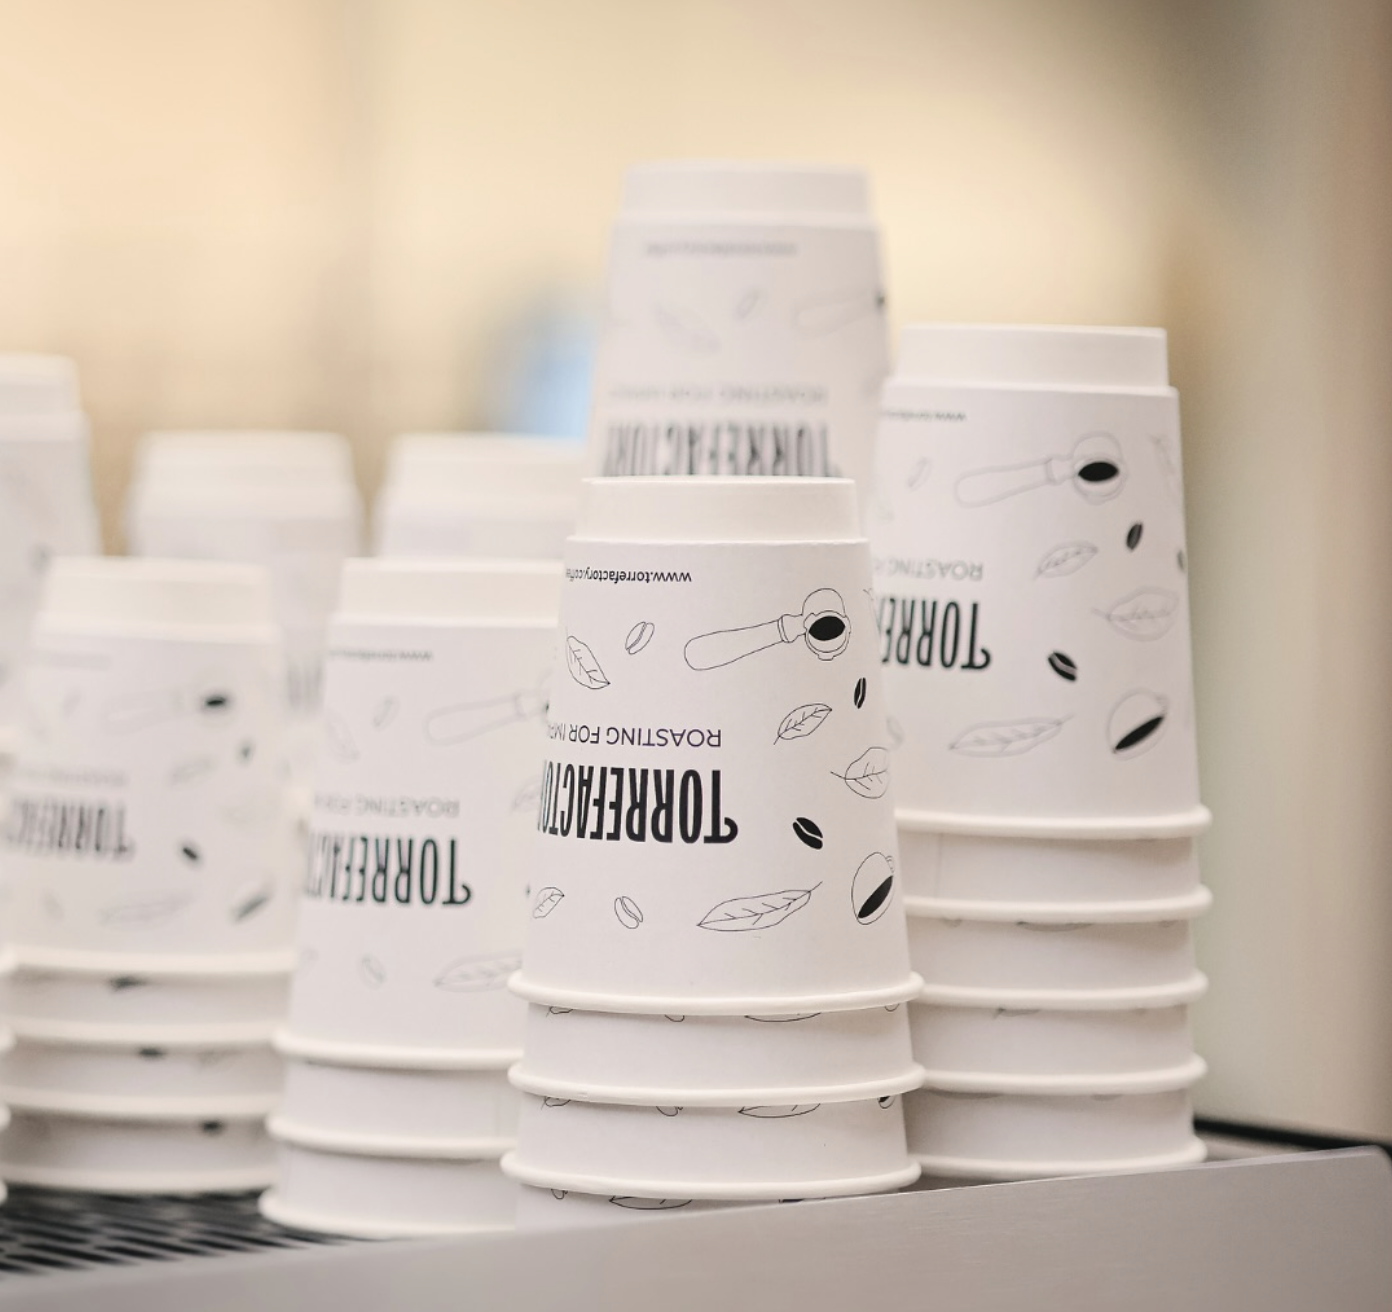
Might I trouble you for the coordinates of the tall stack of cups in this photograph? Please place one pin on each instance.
(284, 500)
(716, 959)
(1030, 572)
(151, 856)
(401, 1028)
(744, 330)
(467, 494)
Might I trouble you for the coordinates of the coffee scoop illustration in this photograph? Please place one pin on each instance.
(823, 625)
(463, 722)
(1094, 467)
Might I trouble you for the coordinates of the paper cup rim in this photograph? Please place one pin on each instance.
(461, 590)
(275, 1210)
(1180, 824)
(407, 1147)
(1080, 1085)
(230, 1180)
(607, 1186)
(631, 1004)
(976, 1168)
(1186, 906)
(390, 1057)
(1147, 998)
(744, 191)
(74, 961)
(234, 1034)
(141, 591)
(107, 1107)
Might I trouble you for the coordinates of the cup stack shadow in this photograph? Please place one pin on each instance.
(401, 1029)
(716, 962)
(150, 850)
(1030, 569)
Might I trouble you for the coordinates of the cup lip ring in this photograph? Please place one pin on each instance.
(1180, 824)
(226, 1180)
(1168, 1080)
(188, 966)
(381, 1056)
(102, 1107)
(1185, 906)
(978, 1168)
(630, 1004)
(275, 1209)
(753, 1190)
(407, 1147)
(1145, 998)
(889, 1086)
(184, 1034)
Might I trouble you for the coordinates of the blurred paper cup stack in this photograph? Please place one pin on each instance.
(283, 500)
(1028, 537)
(745, 330)
(401, 1027)
(467, 494)
(716, 959)
(151, 856)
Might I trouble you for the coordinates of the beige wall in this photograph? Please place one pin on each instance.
(322, 212)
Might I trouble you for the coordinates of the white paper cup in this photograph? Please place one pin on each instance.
(996, 1049)
(1019, 1136)
(1030, 570)
(712, 1061)
(463, 494)
(562, 1209)
(386, 1197)
(745, 330)
(136, 1157)
(827, 1150)
(716, 827)
(401, 1112)
(413, 908)
(147, 815)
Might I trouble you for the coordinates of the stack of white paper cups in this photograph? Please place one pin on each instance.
(744, 330)
(151, 857)
(401, 1027)
(283, 500)
(716, 959)
(1030, 571)
(467, 494)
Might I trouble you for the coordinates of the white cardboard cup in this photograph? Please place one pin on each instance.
(198, 457)
(716, 825)
(1019, 1136)
(831, 1056)
(397, 1112)
(1028, 535)
(752, 1151)
(563, 1209)
(973, 869)
(413, 908)
(1003, 1048)
(147, 814)
(136, 1157)
(745, 331)
(1010, 958)
(386, 1197)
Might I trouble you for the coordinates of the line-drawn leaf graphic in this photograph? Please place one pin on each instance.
(338, 738)
(831, 312)
(583, 667)
(778, 1020)
(1169, 467)
(187, 772)
(145, 912)
(248, 901)
(686, 328)
(385, 712)
(918, 474)
(649, 1204)
(740, 915)
(669, 1111)
(477, 974)
(748, 303)
(547, 900)
(639, 636)
(868, 774)
(1004, 737)
(1143, 615)
(780, 1113)
(372, 972)
(526, 797)
(1066, 558)
(802, 720)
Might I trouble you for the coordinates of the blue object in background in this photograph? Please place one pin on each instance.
(543, 388)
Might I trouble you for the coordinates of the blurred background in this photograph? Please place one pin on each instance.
(379, 215)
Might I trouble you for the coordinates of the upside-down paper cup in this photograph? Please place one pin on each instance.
(463, 494)
(1031, 575)
(717, 1060)
(715, 829)
(1007, 1136)
(745, 331)
(147, 819)
(827, 1150)
(387, 1197)
(414, 902)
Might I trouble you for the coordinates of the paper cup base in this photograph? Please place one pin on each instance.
(953, 1170)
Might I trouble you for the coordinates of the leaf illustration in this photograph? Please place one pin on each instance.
(669, 1111)
(829, 313)
(555, 1102)
(1005, 737)
(249, 901)
(583, 666)
(780, 1113)
(748, 303)
(1066, 558)
(868, 774)
(779, 1020)
(338, 740)
(1064, 666)
(372, 972)
(649, 1204)
(686, 328)
(146, 912)
(526, 797)
(802, 721)
(638, 637)
(187, 772)
(918, 474)
(740, 915)
(1143, 615)
(547, 900)
(385, 712)
(895, 731)
(477, 974)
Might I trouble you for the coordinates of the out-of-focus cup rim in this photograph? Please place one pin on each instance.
(235, 1034)
(143, 1108)
(274, 1209)
(464, 591)
(1146, 998)
(1182, 824)
(1065, 1084)
(407, 1147)
(380, 1056)
(973, 1168)
(1186, 906)
(228, 1180)
(220, 966)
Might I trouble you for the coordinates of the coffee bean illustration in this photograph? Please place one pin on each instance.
(859, 697)
(216, 703)
(871, 887)
(827, 628)
(886, 1103)
(190, 853)
(1133, 536)
(1179, 558)
(809, 831)
(638, 637)
(630, 914)
(669, 1111)
(213, 1127)
(1099, 471)
(150, 1054)
(1063, 666)
(1137, 722)
(122, 982)
(246, 751)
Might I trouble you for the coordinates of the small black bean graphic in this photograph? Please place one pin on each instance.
(123, 982)
(1179, 556)
(886, 1102)
(1139, 734)
(875, 901)
(1063, 666)
(859, 693)
(1133, 536)
(213, 1127)
(871, 887)
(630, 914)
(215, 703)
(150, 1054)
(1098, 471)
(246, 751)
(809, 831)
(827, 628)
(190, 853)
